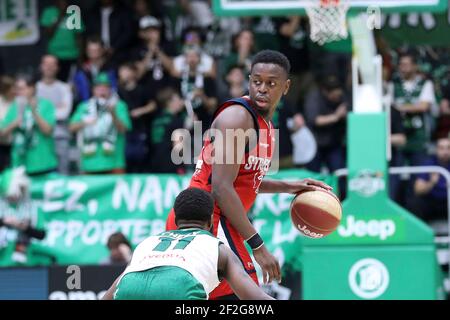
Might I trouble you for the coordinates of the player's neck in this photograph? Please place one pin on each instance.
(190, 226)
(266, 116)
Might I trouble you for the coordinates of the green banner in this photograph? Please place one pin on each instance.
(79, 213)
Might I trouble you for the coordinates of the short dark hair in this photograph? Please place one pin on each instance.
(271, 56)
(6, 83)
(194, 204)
(129, 65)
(235, 66)
(330, 82)
(29, 78)
(48, 55)
(95, 39)
(164, 95)
(410, 55)
(237, 35)
(117, 239)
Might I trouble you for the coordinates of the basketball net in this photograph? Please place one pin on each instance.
(327, 19)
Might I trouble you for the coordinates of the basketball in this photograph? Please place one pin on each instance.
(316, 213)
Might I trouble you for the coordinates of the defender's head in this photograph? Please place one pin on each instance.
(194, 206)
(269, 80)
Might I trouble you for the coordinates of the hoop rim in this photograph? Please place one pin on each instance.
(329, 2)
(325, 3)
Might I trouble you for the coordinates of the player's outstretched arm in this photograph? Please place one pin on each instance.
(278, 186)
(241, 283)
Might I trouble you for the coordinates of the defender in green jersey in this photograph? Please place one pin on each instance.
(184, 264)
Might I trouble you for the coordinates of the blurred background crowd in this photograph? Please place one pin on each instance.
(106, 97)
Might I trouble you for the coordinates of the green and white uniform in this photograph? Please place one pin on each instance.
(174, 265)
(417, 125)
(31, 147)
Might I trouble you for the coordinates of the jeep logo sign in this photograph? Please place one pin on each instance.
(381, 229)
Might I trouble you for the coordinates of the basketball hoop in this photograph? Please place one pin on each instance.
(327, 19)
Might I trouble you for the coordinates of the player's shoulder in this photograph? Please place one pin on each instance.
(235, 109)
(234, 115)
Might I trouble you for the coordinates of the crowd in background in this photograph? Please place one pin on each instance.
(107, 97)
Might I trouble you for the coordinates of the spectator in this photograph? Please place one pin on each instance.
(397, 138)
(334, 58)
(152, 56)
(325, 113)
(94, 64)
(243, 50)
(175, 17)
(443, 128)
(31, 120)
(265, 32)
(112, 20)
(119, 250)
(140, 109)
(236, 83)
(294, 44)
(398, 141)
(198, 89)
(60, 94)
(26, 233)
(192, 38)
(430, 201)
(141, 9)
(7, 95)
(170, 118)
(413, 97)
(199, 12)
(287, 120)
(102, 122)
(63, 42)
(218, 37)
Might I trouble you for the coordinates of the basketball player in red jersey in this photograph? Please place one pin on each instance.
(235, 184)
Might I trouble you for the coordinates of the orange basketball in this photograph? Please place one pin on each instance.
(316, 213)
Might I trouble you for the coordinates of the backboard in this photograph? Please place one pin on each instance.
(292, 7)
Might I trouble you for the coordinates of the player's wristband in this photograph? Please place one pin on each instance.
(255, 241)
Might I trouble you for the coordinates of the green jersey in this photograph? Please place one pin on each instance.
(190, 255)
(103, 147)
(415, 123)
(63, 43)
(31, 147)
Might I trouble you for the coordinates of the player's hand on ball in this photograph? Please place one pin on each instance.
(309, 185)
(268, 263)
